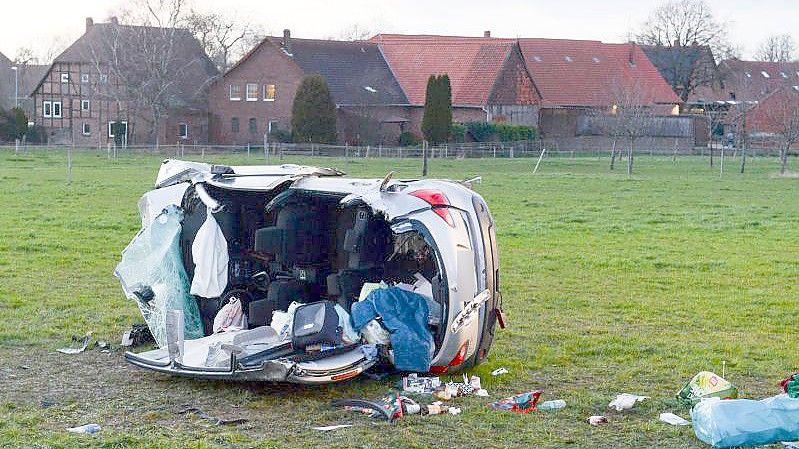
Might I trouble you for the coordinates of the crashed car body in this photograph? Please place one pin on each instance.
(300, 235)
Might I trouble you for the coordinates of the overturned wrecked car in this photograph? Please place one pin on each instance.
(300, 274)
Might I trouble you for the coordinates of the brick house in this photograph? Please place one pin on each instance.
(96, 91)
(6, 82)
(488, 76)
(256, 95)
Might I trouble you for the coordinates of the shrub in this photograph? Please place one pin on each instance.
(280, 135)
(409, 139)
(502, 132)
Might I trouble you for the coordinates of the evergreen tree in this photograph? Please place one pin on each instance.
(313, 114)
(437, 118)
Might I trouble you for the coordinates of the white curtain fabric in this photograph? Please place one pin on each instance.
(210, 255)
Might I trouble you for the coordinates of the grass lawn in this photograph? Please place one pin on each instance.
(611, 284)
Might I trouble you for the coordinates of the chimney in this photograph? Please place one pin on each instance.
(632, 54)
(287, 40)
(114, 20)
(89, 23)
(487, 33)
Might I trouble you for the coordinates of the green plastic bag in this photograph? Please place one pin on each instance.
(706, 385)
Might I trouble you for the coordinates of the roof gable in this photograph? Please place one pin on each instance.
(587, 73)
(472, 64)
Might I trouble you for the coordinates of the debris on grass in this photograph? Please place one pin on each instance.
(520, 403)
(82, 344)
(597, 420)
(138, 335)
(674, 420)
(706, 385)
(216, 421)
(499, 371)
(626, 401)
(556, 404)
(47, 402)
(790, 385)
(333, 427)
(86, 428)
(412, 383)
(746, 422)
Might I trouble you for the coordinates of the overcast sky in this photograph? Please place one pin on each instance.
(48, 25)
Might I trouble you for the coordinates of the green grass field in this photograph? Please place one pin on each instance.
(611, 284)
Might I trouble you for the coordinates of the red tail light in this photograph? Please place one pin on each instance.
(459, 358)
(438, 200)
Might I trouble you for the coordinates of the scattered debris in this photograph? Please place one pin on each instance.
(388, 408)
(83, 343)
(626, 401)
(25, 367)
(86, 428)
(46, 402)
(438, 408)
(674, 420)
(521, 403)
(216, 421)
(420, 385)
(138, 335)
(706, 385)
(481, 392)
(790, 444)
(499, 371)
(101, 344)
(329, 428)
(790, 385)
(557, 404)
(597, 420)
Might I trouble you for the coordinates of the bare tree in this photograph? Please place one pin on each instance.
(152, 64)
(224, 38)
(356, 32)
(25, 56)
(781, 114)
(777, 48)
(633, 114)
(684, 28)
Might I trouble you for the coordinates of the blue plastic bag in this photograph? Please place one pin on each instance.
(744, 422)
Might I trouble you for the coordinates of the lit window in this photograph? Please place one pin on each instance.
(234, 124)
(84, 78)
(84, 105)
(269, 92)
(65, 77)
(765, 74)
(47, 109)
(235, 92)
(253, 125)
(252, 92)
(183, 131)
(56, 109)
(86, 130)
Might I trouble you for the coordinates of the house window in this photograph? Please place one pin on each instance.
(183, 131)
(86, 130)
(253, 125)
(65, 77)
(56, 109)
(47, 109)
(235, 92)
(103, 78)
(84, 78)
(252, 92)
(234, 124)
(121, 127)
(269, 92)
(84, 105)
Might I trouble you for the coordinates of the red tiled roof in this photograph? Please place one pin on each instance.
(587, 73)
(471, 63)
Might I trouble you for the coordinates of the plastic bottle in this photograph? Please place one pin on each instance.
(552, 405)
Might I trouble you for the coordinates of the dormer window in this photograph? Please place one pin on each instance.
(765, 74)
(567, 58)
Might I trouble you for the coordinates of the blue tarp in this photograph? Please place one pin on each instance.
(405, 315)
(744, 422)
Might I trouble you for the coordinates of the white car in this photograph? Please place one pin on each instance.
(287, 236)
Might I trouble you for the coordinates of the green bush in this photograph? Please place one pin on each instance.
(409, 139)
(502, 132)
(458, 133)
(313, 114)
(13, 124)
(280, 135)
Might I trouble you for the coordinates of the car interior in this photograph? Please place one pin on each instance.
(302, 246)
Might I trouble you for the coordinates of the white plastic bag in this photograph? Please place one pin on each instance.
(210, 255)
(625, 401)
(283, 321)
(230, 317)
